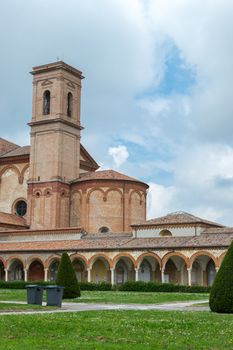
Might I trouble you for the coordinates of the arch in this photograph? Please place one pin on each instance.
(51, 259)
(76, 256)
(93, 190)
(135, 191)
(69, 104)
(10, 167)
(123, 255)
(12, 258)
(173, 254)
(203, 253)
(100, 270)
(145, 270)
(145, 255)
(16, 269)
(114, 189)
(99, 256)
(3, 262)
(33, 258)
(220, 258)
(46, 102)
(80, 269)
(104, 229)
(165, 233)
(22, 173)
(36, 270)
(74, 191)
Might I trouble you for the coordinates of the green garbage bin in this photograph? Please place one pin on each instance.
(54, 295)
(34, 294)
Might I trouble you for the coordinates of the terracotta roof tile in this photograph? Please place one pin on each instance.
(122, 243)
(105, 175)
(178, 218)
(11, 219)
(19, 151)
(6, 146)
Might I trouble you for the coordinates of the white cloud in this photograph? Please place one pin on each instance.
(122, 48)
(119, 153)
(159, 200)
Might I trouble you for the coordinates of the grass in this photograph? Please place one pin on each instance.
(136, 297)
(5, 307)
(108, 330)
(113, 297)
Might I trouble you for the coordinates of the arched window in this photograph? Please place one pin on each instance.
(69, 104)
(165, 233)
(46, 102)
(104, 229)
(20, 208)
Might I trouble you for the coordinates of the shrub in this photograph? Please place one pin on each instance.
(95, 286)
(21, 284)
(221, 296)
(127, 286)
(161, 287)
(66, 277)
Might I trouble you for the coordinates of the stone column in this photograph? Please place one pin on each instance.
(25, 275)
(181, 276)
(216, 268)
(136, 274)
(46, 275)
(6, 275)
(189, 276)
(162, 274)
(112, 276)
(202, 277)
(89, 275)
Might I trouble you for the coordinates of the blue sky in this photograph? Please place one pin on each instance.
(156, 101)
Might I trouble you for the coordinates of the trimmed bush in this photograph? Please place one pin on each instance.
(221, 296)
(161, 287)
(21, 284)
(127, 286)
(66, 277)
(95, 286)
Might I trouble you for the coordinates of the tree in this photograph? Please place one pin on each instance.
(66, 277)
(221, 295)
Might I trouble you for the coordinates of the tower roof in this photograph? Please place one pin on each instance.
(55, 66)
(106, 175)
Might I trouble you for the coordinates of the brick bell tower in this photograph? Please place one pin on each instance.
(55, 143)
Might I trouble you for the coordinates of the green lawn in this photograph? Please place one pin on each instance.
(136, 297)
(22, 307)
(113, 297)
(126, 330)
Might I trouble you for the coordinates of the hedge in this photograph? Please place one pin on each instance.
(95, 286)
(22, 284)
(161, 287)
(127, 286)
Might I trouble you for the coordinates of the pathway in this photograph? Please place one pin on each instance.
(78, 307)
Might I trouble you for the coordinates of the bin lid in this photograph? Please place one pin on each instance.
(31, 286)
(54, 287)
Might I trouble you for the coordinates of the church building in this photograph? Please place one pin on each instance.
(53, 199)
